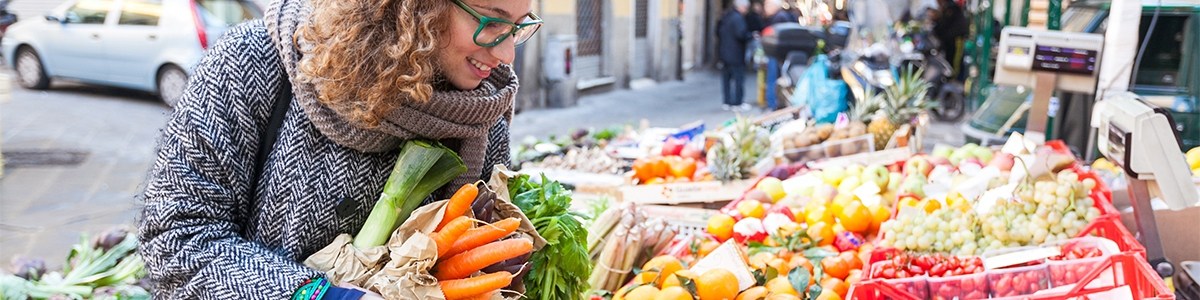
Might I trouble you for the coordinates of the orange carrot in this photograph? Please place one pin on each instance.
(482, 235)
(447, 236)
(463, 264)
(484, 296)
(459, 203)
(465, 288)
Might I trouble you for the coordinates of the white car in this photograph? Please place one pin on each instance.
(148, 45)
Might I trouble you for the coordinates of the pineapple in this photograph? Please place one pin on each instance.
(901, 102)
(733, 158)
(882, 128)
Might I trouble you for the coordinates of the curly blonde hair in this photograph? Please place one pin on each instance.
(365, 53)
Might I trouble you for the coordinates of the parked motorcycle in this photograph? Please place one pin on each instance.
(921, 51)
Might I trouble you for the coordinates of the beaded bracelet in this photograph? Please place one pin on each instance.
(312, 289)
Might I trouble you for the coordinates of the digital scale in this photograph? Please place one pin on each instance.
(1047, 61)
(1139, 137)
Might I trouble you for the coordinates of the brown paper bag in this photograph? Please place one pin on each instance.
(343, 262)
(412, 253)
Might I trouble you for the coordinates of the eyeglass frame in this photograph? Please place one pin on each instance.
(484, 20)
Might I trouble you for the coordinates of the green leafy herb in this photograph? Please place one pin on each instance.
(561, 269)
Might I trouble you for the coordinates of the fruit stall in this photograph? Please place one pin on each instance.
(970, 222)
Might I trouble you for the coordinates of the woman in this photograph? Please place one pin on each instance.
(364, 76)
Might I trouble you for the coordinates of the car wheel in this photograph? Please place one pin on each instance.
(30, 72)
(171, 83)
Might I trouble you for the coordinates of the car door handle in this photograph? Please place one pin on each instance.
(95, 36)
(152, 37)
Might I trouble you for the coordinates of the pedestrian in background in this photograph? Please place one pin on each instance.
(291, 125)
(775, 15)
(732, 35)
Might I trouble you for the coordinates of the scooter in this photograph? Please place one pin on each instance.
(947, 92)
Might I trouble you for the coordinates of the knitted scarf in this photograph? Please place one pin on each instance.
(465, 116)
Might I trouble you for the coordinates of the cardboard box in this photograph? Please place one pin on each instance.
(1178, 231)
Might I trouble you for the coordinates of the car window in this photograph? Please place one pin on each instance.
(1161, 63)
(140, 12)
(89, 12)
(227, 12)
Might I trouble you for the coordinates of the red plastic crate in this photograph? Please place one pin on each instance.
(1127, 269)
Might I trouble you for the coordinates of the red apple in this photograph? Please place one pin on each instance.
(673, 146)
(1002, 161)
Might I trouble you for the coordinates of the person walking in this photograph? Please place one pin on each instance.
(732, 36)
(328, 90)
(775, 15)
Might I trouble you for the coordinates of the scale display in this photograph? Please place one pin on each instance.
(1064, 60)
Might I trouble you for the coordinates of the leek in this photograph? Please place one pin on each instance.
(421, 168)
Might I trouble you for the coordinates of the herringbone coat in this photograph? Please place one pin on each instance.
(204, 233)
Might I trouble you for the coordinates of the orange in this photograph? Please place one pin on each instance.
(879, 214)
(818, 215)
(829, 295)
(664, 265)
(855, 217)
(759, 260)
(821, 232)
(674, 293)
(751, 209)
(780, 265)
(673, 280)
(801, 261)
(836, 267)
(708, 246)
(645, 292)
(851, 258)
(930, 205)
(837, 285)
(783, 297)
(660, 167)
(781, 285)
(643, 169)
(753, 293)
(717, 284)
(721, 226)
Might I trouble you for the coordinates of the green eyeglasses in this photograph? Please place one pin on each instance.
(493, 31)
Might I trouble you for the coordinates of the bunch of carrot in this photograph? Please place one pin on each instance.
(464, 249)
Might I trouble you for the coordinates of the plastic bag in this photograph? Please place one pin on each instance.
(824, 97)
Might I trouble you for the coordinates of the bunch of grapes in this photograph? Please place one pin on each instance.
(1048, 211)
(946, 230)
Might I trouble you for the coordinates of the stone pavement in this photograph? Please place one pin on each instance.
(43, 209)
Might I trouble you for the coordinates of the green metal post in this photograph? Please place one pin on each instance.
(1054, 15)
(1008, 13)
(1025, 13)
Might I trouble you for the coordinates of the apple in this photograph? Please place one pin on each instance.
(939, 161)
(942, 151)
(1002, 161)
(833, 175)
(772, 187)
(959, 155)
(824, 193)
(878, 175)
(854, 170)
(692, 151)
(758, 195)
(918, 165)
(914, 184)
(749, 229)
(848, 185)
(984, 154)
(673, 146)
(894, 181)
